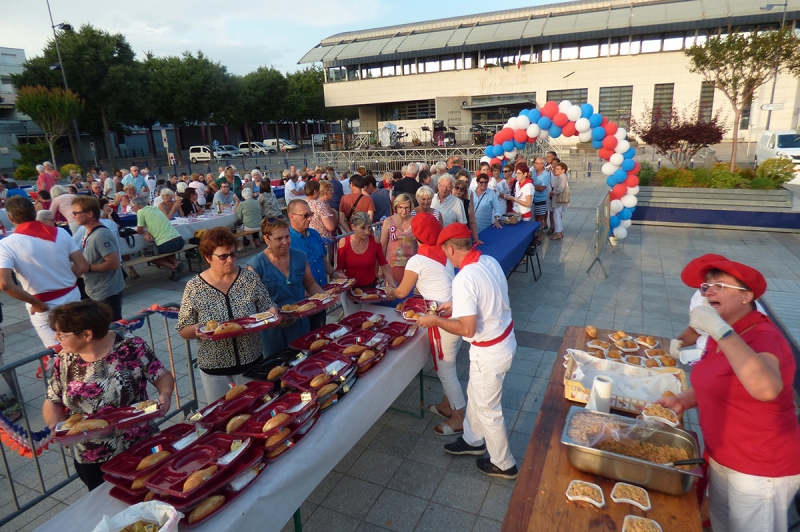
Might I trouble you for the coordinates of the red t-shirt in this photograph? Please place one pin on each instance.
(365, 204)
(361, 267)
(742, 433)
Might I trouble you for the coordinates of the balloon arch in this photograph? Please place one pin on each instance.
(567, 120)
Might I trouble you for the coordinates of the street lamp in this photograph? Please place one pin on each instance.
(769, 7)
(60, 66)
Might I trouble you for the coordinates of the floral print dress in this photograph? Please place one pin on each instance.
(118, 379)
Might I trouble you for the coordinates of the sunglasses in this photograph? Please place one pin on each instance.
(719, 286)
(225, 256)
(483, 182)
(274, 219)
(506, 171)
(462, 189)
(305, 216)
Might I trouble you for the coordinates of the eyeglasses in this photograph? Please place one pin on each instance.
(77, 213)
(719, 286)
(60, 336)
(462, 189)
(506, 171)
(225, 256)
(305, 216)
(483, 182)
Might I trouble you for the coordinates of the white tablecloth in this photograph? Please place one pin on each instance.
(280, 489)
(186, 227)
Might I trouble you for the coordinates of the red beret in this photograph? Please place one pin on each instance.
(454, 230)
(425, 228)
(694, 274)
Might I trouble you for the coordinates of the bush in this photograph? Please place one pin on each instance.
(32, 153)
(65, 170)
(25, 172)
(665, 177)
(763, 183)
(777, 170)
(747, 174)
(724, 178)
(646, 173)
(702, 178)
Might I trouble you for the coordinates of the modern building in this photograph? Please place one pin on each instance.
(619, 55)
(14, 126)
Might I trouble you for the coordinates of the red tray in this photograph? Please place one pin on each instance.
(300, 376)
(297, 435)
(319, 306)
(367, 292)
(374, 340)
(290, 401)
(124, 464)
(127, 498)
(337, 286)
(356, 319)
(330, 331)
(250, 324)
(124, 486)
(396, 329)
(168, 479)
(218, 413)
(118, 419)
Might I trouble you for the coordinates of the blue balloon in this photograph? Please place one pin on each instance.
(619, 176)
(503, 163)
(497, 150)
(614, 222)
(625, 214)
(520, 145)
(597, 144)
(489, 151)
(632, 208)
(629, 154)
(610, 181)
(595, 120)
(598, 133)
(524, 112)
(544, 123)
(587, 110)
(555, 131)
(508, 145)
(534, 115)
(628, 165)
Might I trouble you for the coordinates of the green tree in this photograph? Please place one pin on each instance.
(739, 63)
(53, 109)
(169, 97)
(305, 97)
(32, 152)
(265, 92)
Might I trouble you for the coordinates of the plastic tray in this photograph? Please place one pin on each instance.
(278, 359)
(297, 436)
(629, 518)
(249, 325)
(124, 486)
(343, 389)
(376, 341)
(124, 464)
(661, 419)
(337, 286)
(369, 293)
(625, 349)
(168, 479)
(614, 339)
(218, 413)
(124, 496)
(396, 329)
(646, 345)
(622, 500)
(319, 306)
(587, 499)
(300, 376)
(368, 366)
(118, 419)
(290, 403)
(595, 344)
(331, 332)
(357, 319)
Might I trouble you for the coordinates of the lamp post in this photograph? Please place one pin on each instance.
(67, 27)
(769, 7)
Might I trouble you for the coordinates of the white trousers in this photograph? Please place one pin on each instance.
(448, 373)
(41, 320)
(747, 503)
(484, 419)
(217, 386)
(558, 213)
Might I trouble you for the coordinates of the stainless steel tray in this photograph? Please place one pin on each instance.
(640, 472)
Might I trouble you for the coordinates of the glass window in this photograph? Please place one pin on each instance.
(471, 60)
(352, 72)
(408, 110)
(370, 71)
(449, 63)
(673, 42)
(575, 96)
(459, 63)
(651, 44)
(388, 69)
(569, 51)
(636, 46)
(337, 73)
(431, 64)
(555, 54)
(706, 106)
(624, 47)
(409, 67)
(662, 99)
(546, 55)
(590, 50)
(615, 103)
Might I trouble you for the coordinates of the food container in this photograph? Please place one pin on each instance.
(119, 419)
(300, 376)
(126, 497)
(331, 332)
(318, 305)
(337, 286)
(645, 344)
(357, 320)
(397, 329)
(367, 295)
(660, 419)
(342, 390)
(573, 498)
(249, 324)
(622, 500)
(630, 519)
(646, 474)
(418, 305)
(125, 487)
(376, 341)
(218, 413)
(295, 405)
(614, 338)
(282, 358)
(615, 345)
(599, 344)
(298, 433)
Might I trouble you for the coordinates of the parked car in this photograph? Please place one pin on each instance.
(784, 144)
(259, 148)
(281, 144)
(229, 149)
(201, 154)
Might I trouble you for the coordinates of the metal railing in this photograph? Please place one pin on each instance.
(43, 490)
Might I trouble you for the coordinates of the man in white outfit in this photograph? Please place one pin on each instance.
(482, 315)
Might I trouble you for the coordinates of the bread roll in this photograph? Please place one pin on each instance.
(651, 340)
(621, 334)
(316, 345)
(87, 425)
(152, 459)
(206, 508)
(325, 390)
(139, 482)
(400, 340)
(212, 325)
(370, 296)
(597, 353)
(198, 477)
(668, 362)
(70, 422)
(363, 369)
(368, 324)
(354, 349)
(399, 307)
(227, 328)
(668, 394)
(150, 496)
(591, 331)
(409, 314)
(614, 354)
(328, 402)
(276, 421)
(142, 405)
(236, 390)
(277, 437)
(358, 292)
(236, 422)
(307, 306)
(651, 363)
(276, 372)
(367, 355)
(278, 450)
(634, 360)
(319, 380)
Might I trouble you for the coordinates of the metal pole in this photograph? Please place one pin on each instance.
(775, 75)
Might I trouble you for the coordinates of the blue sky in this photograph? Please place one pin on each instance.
(260, 32)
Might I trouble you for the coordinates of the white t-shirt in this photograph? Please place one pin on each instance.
(109, 188)
(201, 191)
(480, 289)
(697, 301)
(346, 185)
(299, 186)
(41, 266)
(434, 282)
(521, 192)
(451, 209)
(474, 184)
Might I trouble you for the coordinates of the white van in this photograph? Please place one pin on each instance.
(201, 154)
(259, 148)
(778, 144)
(281, 144)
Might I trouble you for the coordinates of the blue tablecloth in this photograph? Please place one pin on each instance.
(127, 220)
(507, 245)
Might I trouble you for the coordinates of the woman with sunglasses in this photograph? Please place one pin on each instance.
(223, 292)
(742, 389)
(287, 275)
(488, 207)
(507, 187)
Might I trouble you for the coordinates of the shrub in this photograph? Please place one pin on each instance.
(722, 177)
(32, 153)
(702, 178)
(763, 183)
(747, 174)
(777, 170)
(646, 173)
(25, 172)
(664, 177)
(684, 178)
(64, 170)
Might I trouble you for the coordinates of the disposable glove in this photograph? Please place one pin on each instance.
(706, 319)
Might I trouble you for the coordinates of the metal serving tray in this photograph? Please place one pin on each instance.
(640, 472)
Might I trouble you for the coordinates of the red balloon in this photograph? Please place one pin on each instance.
(636, 168)
(508, 133)
(521, 135)
(610, 142)
(610, 128)
(495, 161)
(619, 190)
(569, 130)
(531, 140)
(550, 109)
(560, 120)
(605, 153)
(604, 122)
(632, 181)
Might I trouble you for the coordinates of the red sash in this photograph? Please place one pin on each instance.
(471, 257)
(435, 341)
(489, 343)
(37, 230)
(44, 297)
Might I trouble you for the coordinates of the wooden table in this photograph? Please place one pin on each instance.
(539, 501)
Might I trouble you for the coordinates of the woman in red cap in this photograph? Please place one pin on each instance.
(432, 274)
(742, 388)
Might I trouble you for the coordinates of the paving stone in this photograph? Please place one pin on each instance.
(395, 441)
(397, 511)
(438, 518)
(326, 520)
(461, 492)
(483, 524)
(496, 502)
(324, 488)
(352, 497)
(415, 478)
(376, 467)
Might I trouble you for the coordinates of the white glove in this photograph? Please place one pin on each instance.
(675, 348)
(706, 319)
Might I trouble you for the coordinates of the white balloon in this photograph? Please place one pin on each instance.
(533, 130)
(510, 154)
(564, 106)
(629, 200)
(622, 146)
(617, 159)
(615, 206)
(544, 134)
(633, 190)
(585, 136)
(625, 223)
(621, 133)
(574, 113)
(582, 125)
(523, 122)
(608, 168)
(620, 232)
(486, 159)
(512, 123)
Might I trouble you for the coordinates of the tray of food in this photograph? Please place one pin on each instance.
(276, 365)
(270, 418)
(578, 490)
(238, 399)
(399, 333)
(626, 345)
(630, 450)
(145, 456)
(240, 326)
(598, 345)
(311, 305)
(415, 307)
(624, 493)
(364, 320)
(318, 370)
(655, 412)
(337, 286)
(648, 342)
(298, 433)
(633, 523)
(316, 340)
(366, 295)
(619, 335)
(364, 348)
(204, 466)
(81, 427)
(329, 395)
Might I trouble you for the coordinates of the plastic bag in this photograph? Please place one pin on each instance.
(162, 513)
(589, 428)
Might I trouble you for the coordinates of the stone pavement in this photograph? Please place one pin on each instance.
(398, 477)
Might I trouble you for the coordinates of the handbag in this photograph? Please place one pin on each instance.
(563, 197)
